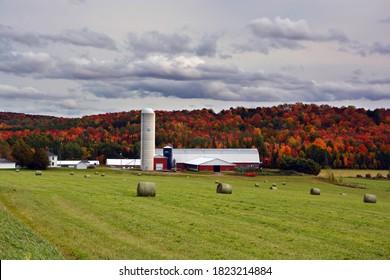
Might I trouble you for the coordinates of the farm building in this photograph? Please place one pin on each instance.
(74, 163)
(125, 163)
(160, 163)
(7, 164)
(82, 164)
(209, 164)
(53, 159)
(217, 160)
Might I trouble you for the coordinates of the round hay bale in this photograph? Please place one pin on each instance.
(71, 173)
(87, 176)
(146, 189)
(224, 188)
(274, 184)
(217, 182)
(17, 170)
(273, 188)
(38, 172)
(315, 191)
(103, 174)
(257, 185)
(96, 173)
(139, 174)
(265, 181)
(369, 198)
(343, 193)
(284, 183)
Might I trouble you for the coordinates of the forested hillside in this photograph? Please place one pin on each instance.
(337, 137)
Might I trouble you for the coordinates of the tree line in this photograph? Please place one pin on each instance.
(344, 137)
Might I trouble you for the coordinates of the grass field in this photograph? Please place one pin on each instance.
(101, 217)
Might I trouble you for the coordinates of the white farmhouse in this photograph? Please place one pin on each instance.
(53, 159)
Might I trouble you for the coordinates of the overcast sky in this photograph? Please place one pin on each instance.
(82, 57)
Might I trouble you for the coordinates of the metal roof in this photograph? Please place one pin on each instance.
(229, 155)
(208, 161)
(75, 162)
(124, 161)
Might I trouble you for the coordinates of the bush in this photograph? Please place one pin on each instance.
(307, 166)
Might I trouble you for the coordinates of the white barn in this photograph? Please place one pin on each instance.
(74, 163)
(124, 162)
(7, 164)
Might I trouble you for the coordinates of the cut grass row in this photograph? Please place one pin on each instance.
(101, 217)
(18, 242)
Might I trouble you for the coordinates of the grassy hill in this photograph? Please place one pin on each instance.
(101, 217)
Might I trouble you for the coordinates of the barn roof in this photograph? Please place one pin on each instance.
(124, 161)
(209, 161)
(229, 155)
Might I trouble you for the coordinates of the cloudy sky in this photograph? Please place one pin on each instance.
(82, 57)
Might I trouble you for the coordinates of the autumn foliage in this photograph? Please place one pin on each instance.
(344, 137)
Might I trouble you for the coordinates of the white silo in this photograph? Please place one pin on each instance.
(147, 139)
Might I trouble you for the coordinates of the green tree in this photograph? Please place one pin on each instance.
(22, 153)
(71, 150)
(40, 160)
(307, 166)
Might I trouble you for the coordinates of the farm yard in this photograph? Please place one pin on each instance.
(61, 216)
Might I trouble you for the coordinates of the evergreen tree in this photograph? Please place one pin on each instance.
(22, 153)
(40, 160)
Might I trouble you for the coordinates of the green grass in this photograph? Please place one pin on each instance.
(19, 242)
(101, 217)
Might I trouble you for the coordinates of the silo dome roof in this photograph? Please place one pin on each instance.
(147, 111)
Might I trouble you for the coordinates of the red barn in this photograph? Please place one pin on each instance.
(160, 162)
(209, 164)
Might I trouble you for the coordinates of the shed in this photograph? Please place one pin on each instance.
(82, 164)
(160, 163)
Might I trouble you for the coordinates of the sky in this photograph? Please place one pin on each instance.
(72, 58)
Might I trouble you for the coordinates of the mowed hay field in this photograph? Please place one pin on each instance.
(102, 218)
